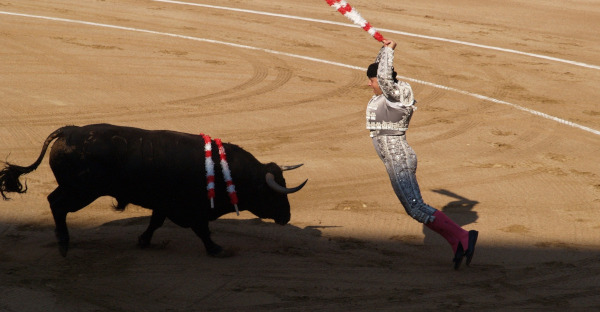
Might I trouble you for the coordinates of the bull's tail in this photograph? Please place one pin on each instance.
(9, 175)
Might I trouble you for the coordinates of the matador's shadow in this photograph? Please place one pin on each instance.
(460, 211)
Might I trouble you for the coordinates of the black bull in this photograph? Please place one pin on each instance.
(159, 170)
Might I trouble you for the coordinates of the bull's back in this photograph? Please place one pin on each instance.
(111, 159)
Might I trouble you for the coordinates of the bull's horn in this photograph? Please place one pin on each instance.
(286, 168)
(270, 178)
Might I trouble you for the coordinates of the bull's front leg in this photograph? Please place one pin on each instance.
(212, 249)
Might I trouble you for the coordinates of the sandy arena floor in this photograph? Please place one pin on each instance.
(508, 144)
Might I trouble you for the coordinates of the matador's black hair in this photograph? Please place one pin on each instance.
(372, 71)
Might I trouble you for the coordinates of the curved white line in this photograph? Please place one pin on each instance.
(482, 97)
(482, 46)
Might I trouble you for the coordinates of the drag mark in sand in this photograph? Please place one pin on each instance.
(312, 59)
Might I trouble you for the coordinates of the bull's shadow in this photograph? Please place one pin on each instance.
(459, 210)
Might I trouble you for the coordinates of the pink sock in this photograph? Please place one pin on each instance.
(451, 231)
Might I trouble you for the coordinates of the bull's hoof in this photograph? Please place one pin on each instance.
(222, 254)
(143, 242)
(218, 252)
(63, 248)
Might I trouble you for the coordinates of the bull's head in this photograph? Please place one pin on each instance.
(274, 203)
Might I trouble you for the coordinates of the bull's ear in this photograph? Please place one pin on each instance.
(270, 167)
(286, 168)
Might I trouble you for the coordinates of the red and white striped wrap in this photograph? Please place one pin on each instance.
(227, 176)
(344, 7)
(209, 166)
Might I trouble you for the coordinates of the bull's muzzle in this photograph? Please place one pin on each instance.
(282, 221)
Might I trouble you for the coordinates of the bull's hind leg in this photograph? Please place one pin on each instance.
(63, 201)
(156, 221)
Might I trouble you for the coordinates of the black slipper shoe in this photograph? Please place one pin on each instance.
(458, 256)
(472, 241)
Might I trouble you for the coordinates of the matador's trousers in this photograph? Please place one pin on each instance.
(401, 163)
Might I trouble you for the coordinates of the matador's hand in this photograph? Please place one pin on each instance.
(389, 43)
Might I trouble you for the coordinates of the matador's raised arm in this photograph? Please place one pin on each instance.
(399, 92)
